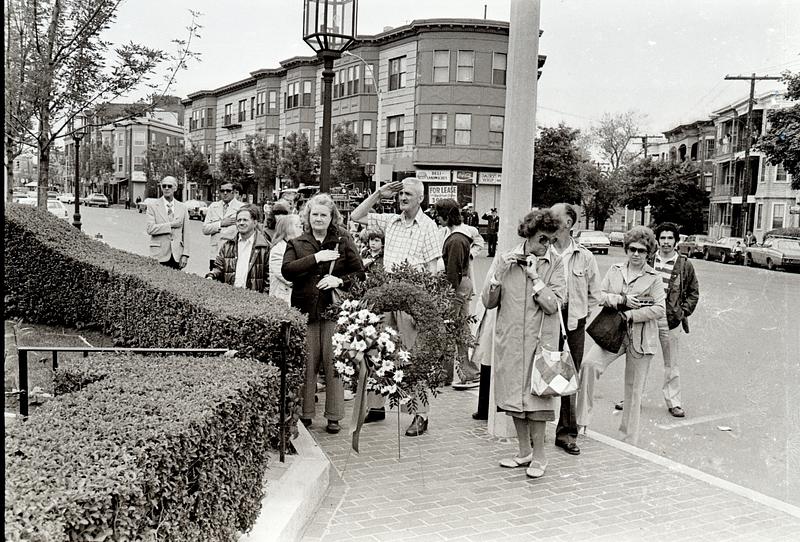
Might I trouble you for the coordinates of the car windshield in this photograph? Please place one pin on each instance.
(787, 244)
(591, 234)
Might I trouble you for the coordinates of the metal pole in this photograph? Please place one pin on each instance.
(286, 334)
(55, 360)
(325, 146)
(746, 180)
(76, 218)
(22, 356)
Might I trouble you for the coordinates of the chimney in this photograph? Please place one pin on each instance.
(387, 28)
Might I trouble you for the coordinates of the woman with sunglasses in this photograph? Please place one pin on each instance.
(526, 286)
(637, 291)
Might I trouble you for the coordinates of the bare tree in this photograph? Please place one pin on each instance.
(70, 69)
(612, 136)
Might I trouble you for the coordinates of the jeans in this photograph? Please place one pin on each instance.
(320, 350)
(636, 367)
(567, 426)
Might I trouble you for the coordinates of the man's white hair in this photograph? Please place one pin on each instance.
(419, 188)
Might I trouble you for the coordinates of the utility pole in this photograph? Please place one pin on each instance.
(644, 139)
(745, 214)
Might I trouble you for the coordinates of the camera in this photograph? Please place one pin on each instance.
(522, 260)
(646, 301)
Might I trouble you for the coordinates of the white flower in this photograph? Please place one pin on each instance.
(342, 320)
(389, 346)
(390, 330)
(349, 371)
(387, 365)
(358, 345)
(398, 376)
(381, 372)
(339, 338)
(348, 304)
(364, 314)
(405, 399)
(352, 328)
(403, 355)
(391, 389)
(374, 319)
(340, 366)
(337, 351)
(370, 331)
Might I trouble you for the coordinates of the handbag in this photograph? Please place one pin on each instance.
(337, 295)
(553, 372)
(608, 329)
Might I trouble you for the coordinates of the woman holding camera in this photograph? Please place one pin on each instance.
(526, 286)
(637, 291)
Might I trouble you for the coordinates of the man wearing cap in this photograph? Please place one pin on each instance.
(493, 222)
(220, 222)
(167, 220)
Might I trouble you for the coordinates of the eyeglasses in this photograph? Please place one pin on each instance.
(635, 250)
(165, 186)
(225, 190)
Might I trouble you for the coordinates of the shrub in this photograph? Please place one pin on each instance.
(167, 448)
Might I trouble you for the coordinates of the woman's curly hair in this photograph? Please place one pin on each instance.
(643, 235)
(538, 220)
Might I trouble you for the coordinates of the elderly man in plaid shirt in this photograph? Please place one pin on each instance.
(410, 236)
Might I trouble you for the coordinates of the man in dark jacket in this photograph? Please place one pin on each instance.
(493, 222)
(244, 260)
(683, 292)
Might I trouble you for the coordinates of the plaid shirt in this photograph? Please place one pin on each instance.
(418, 243)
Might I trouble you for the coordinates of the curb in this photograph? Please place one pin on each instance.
(292, 500)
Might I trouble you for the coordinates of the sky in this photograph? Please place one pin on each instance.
(665, 59)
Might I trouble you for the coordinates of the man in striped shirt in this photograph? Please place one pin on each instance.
(683, 292)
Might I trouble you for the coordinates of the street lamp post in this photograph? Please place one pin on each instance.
(329, 27)
(78, 131)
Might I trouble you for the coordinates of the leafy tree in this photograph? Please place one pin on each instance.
(196, 169)
(96, 161)
(601, 194)
(781, 141)
(298, 162)
(557, 167)
(231, 168)
(346, 164)
(162, 160)
(68, 68)
(613, 135)
(263, 159)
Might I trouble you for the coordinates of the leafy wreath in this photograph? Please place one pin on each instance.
(429, 299)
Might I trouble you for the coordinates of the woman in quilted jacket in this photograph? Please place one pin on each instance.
(322, 259)
(243, 261)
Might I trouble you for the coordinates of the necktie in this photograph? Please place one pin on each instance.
(224, 208)
(170, 214)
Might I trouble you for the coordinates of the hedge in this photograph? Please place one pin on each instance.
(153, 448)
(57, 275)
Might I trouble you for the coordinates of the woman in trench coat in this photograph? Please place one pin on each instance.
(526, 286)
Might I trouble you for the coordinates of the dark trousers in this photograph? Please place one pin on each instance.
(567, 428)
(211, 265)
(171, 263)
(491, 242)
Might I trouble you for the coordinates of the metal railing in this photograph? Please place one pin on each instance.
(22, 364)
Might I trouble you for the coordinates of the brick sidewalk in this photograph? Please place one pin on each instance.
(447, 485)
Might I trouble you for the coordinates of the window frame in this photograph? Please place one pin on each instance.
(438, 133)
(366, 133)
(461, 131)
(783, 216)
(397, 73)
(307, 95)
(496, 71)
(502, 128)
(242, 116)
(272, 101)
(261, 102)
(394, 139)
(228, 113)
(439, 68)
(460, 66)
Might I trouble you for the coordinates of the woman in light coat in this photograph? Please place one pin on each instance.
(287, 227)
(526, 286)
(636, 290)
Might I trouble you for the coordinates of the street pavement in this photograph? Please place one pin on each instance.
(739, 368)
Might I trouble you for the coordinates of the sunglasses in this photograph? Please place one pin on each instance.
(225, 190)
(635, 250)
(167, 186)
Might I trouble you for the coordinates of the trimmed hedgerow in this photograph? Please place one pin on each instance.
(166, 448)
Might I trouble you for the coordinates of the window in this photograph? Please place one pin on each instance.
(121, 140)
(138, 163)
(727, 213)
(729, 174)
(466, 66)
(228, 113)
(366, 133)
(305, 132)
(780, 174)
(499, 68)
(210, 119)
(496, 125)
(762, 177)
(441, 66)
(778, 210)
(397, 73)
(292, 95)
(120, 163)
(138, 138)
(272, 104)
(226, 146)
(350, 80)
(709, 148)
(306, 93)
(759, 215)
(369, 79)
(242, 110)
(356, 78)
(252, 108)
(270, 139)
(335, 84)
(439, 129)
(261, 99)
(395, 135)
(463, 128)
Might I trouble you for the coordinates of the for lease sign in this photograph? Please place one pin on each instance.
(435, 193)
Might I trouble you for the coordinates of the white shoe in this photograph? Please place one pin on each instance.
(536, 470)
(516, 461)
(349, 395)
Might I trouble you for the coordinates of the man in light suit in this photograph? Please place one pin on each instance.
(167, 220)
(220, 222)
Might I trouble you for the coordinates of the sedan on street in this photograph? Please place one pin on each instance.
(99, 200)
(594, 241)
(616, 238)
(726, 249)
(783, 252)
(66, 198)
(693, 245)
(57, 208)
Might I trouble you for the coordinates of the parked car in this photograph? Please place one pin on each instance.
(726, 249)
(51, 194)
(594, 241)
(142, 205)
(775, 252)
(616, 238)
(66, 198)
(26, 200)
(693, 245)
(57, 208)
(197, 209)
(99, 200)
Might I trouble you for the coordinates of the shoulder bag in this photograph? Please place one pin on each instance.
(553, 372)
(336, 293)
(608, 329)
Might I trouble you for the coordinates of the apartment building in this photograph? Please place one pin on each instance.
(426, 99)
(773, 204)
